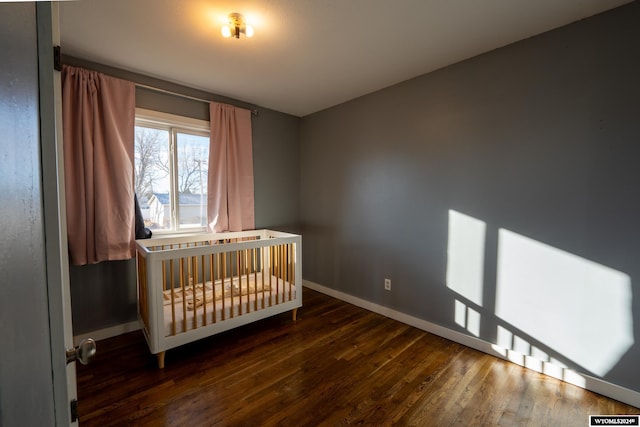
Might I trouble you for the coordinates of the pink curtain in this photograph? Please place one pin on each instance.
(98, 114)
(230, 178)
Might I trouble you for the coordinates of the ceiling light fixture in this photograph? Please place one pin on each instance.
(236, 26)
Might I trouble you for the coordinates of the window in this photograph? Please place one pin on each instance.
(171, 164)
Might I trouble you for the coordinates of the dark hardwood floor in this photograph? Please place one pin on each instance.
(337, 365)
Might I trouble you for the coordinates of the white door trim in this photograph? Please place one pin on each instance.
(57, 262)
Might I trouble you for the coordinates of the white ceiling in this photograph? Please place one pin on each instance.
(306, 55)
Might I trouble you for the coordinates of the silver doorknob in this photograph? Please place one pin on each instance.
(83, 353)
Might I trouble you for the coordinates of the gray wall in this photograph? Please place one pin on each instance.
(104, 295)
(26, 383)
(540, 138)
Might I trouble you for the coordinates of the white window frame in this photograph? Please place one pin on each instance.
(174, 124)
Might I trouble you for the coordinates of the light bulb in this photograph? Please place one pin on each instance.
(226, 31)
(248, 31)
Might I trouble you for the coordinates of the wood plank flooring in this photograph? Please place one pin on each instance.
(337, 365)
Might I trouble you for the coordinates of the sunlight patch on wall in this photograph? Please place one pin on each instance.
(465, 256)
(574, 306)
(467, 318)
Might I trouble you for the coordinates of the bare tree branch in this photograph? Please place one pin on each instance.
(148, 148)
(192, 171)
(152, 163)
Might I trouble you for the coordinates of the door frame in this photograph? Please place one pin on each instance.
(54, 211)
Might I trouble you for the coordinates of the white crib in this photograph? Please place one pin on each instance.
(195, 286)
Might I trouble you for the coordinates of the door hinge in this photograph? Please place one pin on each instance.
(74, 410)
(57, 59)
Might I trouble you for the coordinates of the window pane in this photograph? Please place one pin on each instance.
(152, 176)
(192, 161)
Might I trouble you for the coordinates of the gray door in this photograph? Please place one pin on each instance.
(33, 376)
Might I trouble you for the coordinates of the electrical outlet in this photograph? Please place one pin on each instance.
(387, 284)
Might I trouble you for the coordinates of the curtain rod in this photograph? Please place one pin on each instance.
(181, 95)
(57, 65)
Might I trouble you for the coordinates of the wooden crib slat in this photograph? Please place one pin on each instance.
(278, 296)
(204, 294)
(212, 277)
(285, 278)
(293, 265)
(255, 278)
(184, 294)
(194, 279)
(239, 275)
(263, 272)
(173, 294)
(275, 272)
(233, 304)
(240, 279)
(288, 269)
(272, 260)
(285, 268)
(223, 257)
(290, 264)
(246, 272)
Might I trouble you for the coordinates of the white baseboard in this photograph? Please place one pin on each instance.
(587, 382)
(112, 331)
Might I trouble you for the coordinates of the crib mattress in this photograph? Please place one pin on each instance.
(242, 296)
